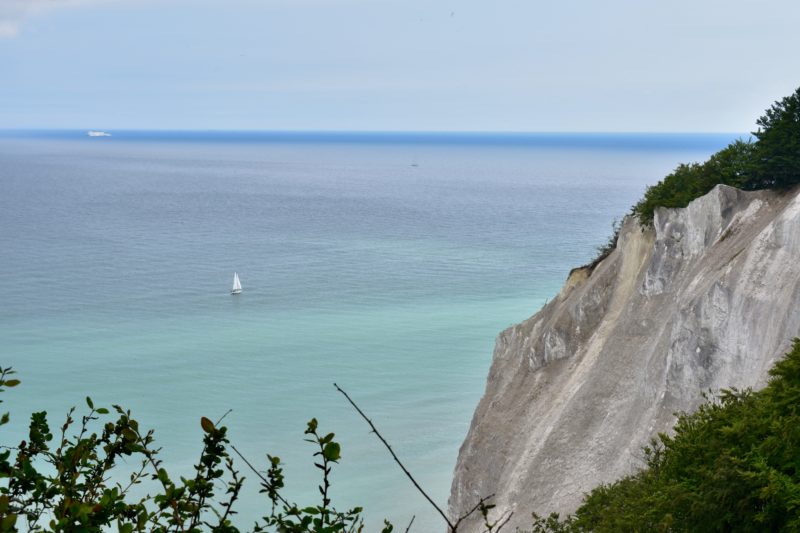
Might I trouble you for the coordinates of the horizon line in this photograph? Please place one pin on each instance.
(375, 132)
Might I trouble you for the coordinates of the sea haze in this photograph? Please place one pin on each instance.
(386, 263)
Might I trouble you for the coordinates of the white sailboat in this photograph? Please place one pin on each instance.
(237, 285)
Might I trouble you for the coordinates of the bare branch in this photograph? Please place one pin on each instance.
(396, 460)
(409, 524)
(468, 513)
(260, 476)
(220, 419)
(502, 521)
(234, 488)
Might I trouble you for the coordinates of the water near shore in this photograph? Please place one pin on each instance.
(386, 263)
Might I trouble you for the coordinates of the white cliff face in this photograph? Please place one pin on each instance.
(708, 298)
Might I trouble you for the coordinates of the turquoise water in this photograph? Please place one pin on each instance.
(385, 263)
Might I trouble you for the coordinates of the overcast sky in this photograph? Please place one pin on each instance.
(450, 65)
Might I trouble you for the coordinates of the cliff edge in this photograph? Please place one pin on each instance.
(706, 299)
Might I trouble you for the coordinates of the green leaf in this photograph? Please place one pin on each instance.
(89, 403)
(103, 411)
(332, 451)
(11, 383)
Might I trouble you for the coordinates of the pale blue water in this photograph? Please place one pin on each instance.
(386, 263)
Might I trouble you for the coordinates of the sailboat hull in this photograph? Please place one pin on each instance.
(236, 291)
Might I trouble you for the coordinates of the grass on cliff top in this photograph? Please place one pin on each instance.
(733, 465)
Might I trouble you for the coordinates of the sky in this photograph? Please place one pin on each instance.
(396, 65)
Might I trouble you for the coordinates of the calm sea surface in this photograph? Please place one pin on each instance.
(385, 263)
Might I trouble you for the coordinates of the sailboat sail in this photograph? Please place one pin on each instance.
(237, 285)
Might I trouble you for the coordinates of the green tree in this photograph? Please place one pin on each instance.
(777, 158)
(730, 166)
(771, 162)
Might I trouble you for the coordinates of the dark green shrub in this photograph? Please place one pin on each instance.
(729, 166)
(733, 465)
(772, 161)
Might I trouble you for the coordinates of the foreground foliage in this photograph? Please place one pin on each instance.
(771, 161)
(66, 487)
(733, 465)
(72, 481)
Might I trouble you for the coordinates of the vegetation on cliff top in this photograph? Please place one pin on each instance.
(772, 161)
(733, 465)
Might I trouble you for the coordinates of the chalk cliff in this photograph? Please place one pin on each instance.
(707, 298)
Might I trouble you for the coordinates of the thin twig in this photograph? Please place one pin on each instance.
(409, 524)
(220, 419)
(468, 513)
(260, 476)
(396, 460)
(201, 499)
(134, 478)
(149, 457)
(235, 487)
(503, 520)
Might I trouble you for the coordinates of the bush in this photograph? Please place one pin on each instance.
(68, 487)
(733, 465)
(730, 166)
(771, 162)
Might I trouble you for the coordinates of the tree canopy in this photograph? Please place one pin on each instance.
(772, 161)
(777, 155)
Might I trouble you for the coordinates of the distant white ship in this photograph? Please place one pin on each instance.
(98, 134)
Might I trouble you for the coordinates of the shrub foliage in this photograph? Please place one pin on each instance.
(68, 487)
(69, 481)
(733, 465)
(771, 161)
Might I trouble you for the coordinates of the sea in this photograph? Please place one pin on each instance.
(386, 263)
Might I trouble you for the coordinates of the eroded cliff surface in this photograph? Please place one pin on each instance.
(708, 298)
